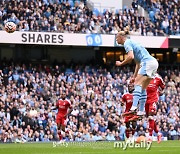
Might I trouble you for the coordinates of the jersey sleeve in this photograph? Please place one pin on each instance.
(57, 104)
(124, 98)
(70, 105)
(161, 83)
(127, 46)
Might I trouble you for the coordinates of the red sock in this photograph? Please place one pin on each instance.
(133, 131)
(151, 127)
(60, 136)
(67, 132)
(127, 133)
(155, 127)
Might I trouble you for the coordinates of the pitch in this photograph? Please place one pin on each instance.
(167, 147)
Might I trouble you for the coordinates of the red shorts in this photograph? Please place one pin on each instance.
(151, 108)
(61, 121)
(127, 118)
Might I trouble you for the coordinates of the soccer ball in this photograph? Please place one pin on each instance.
(140, 139)
(10, 27)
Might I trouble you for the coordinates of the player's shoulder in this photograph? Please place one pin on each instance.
(68, 101)
(158, 77)
(127, 42)
(126, 94)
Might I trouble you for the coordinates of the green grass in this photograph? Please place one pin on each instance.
(166, 147)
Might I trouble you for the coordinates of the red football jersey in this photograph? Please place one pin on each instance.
(128, 99)
(153, 89)
(63, 106)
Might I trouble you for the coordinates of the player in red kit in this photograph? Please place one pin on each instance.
(154, 89)
(64, 109)
(127, 99)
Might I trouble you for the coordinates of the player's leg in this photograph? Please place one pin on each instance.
(150, 120)
(134, 124)
(127, 129)
(59, 131)
(139, 92)
(140, 95)
(145, 75)
(63, 127)
(142, 100)
(59, 122)
(152, 112)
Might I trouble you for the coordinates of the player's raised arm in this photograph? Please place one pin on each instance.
(129, 58)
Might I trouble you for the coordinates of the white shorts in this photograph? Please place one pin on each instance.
(149, 68)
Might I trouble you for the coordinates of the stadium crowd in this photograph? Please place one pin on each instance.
(28, 93)
(75, 17)
(164, 14)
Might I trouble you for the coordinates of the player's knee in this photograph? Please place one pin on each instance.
(62, 127)
(59, 126)
(127, 125)
(151, 114)
(150, 117)
(134, 125)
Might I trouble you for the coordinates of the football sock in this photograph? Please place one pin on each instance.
(142, 100)
(151, 127)
(60, 136)
(155, 127)
(127, 133)
(136, 96)
(133, 131)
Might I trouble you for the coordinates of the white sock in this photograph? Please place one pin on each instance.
(140, 113)
(133, 108)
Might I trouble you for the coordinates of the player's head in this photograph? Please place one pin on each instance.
(130, 87)
(63, 95)
(121, 36)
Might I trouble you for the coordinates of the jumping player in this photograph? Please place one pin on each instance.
(127, 99)
(64, 109)
(146, 67)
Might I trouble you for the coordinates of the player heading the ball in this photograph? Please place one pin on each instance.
(145, 70)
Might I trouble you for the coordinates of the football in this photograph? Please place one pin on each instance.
(10, 27)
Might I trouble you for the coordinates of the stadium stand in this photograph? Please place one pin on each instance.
(164, 14)
(75, 17)
(28, 92)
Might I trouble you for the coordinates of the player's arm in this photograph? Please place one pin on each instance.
(55, 107)
(161, 86)
(123, 100)
(130, 57)
(69, 111)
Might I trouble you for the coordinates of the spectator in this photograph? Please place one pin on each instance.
(25, 108)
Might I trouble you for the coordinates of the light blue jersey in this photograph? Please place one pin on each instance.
(140, 53)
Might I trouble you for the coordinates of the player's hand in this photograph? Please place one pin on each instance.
(132, 80)
(161, 92)
(118, 63)
(65, 116)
